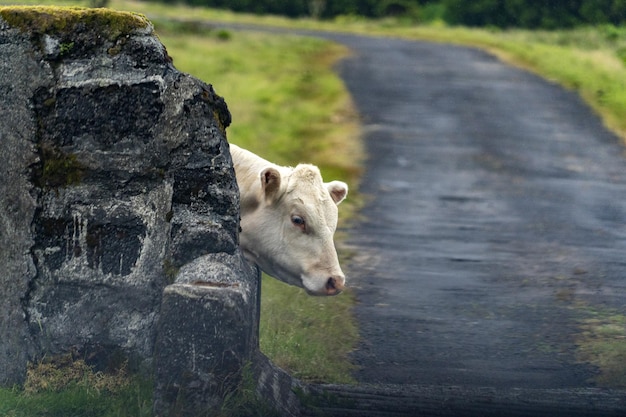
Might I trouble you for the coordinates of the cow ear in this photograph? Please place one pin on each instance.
(270, 182)
(338, 190)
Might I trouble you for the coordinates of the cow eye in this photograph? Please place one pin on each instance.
(298, 221)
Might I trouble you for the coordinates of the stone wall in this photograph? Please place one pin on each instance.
(118, 208)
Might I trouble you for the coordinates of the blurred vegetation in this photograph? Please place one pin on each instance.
(531, 14)
(314, 8)
(534, 14)
(603, 343)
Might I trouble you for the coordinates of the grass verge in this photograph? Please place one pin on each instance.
(66, 387)
(602, 343)
(307, 335)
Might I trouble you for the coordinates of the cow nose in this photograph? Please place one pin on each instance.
(334, 285)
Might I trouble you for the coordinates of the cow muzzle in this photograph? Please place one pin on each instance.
(334, 285)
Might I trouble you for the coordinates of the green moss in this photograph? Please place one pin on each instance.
(50, 102)
(59, 169)
(218, 118)
(602, 343)
(54, 20)
(66, 47)
(170, 270)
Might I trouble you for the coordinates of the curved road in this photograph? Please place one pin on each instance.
(495, 227)
(496, 220)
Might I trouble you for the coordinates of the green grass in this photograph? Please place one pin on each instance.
(67, 387)
(602, 343)
(77, 401)
(316, 351)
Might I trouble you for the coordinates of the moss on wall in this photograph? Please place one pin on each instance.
(58, 21)
(58, 169)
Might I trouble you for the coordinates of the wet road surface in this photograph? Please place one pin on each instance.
(495, 222)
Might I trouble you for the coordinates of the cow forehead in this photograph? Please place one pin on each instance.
(306, 189)
(307, 180)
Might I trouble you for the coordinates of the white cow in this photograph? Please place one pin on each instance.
(288, 218)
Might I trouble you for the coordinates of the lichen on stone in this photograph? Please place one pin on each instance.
(60, 21)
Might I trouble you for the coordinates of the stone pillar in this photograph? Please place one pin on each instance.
(115, 175)
(119, 212)
(207, 336)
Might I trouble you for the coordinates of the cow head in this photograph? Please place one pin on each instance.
(290, 234)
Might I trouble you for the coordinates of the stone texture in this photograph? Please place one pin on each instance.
(116, 175)
(207, 336)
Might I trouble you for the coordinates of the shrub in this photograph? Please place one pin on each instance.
(534, 13)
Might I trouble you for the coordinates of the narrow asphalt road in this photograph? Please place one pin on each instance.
(494, 229)
(495, 221)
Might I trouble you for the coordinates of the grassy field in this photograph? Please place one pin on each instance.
(287, 105)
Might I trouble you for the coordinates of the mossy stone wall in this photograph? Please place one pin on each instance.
(117, 197)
